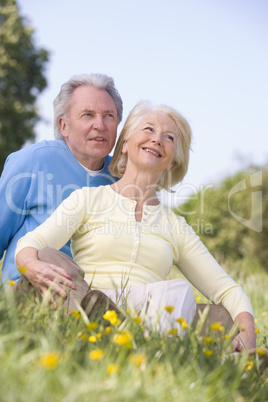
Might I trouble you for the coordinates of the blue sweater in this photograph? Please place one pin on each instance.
(35, 180)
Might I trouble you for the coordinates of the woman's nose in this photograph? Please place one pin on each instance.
(157, 139)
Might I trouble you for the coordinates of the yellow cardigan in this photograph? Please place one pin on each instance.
(114, 250)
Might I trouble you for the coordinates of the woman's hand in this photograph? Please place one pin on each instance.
(246, 338)
(42, 275)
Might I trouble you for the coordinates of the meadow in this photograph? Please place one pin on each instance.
(46, 356)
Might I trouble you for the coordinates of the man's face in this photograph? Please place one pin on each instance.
(90, 129)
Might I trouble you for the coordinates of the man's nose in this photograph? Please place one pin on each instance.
(99, 123)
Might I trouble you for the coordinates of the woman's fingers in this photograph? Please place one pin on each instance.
(44, 276)
(238, 344)
(61, 276)
(245, 340)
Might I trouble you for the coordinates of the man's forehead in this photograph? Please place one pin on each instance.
(92, 99)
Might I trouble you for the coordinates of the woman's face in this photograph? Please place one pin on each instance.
(153, 144)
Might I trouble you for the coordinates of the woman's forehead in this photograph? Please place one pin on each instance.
(159, 118)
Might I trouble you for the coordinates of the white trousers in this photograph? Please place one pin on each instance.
(150, 300)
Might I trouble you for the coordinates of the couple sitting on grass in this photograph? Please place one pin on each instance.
(123, 231)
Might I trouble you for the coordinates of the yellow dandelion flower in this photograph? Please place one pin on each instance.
(128, 310)
(49, 360)
(260, 351)
(107, 330)
(96, 354)
(221, 329)
(208, 352)
(83, 336)
(215, 326)
(173, 331)
(184, 325)
(113, 368)
(123, 338)
(197, 299)
(98, 335)
(147, 337)
(137, 359)
(256, 320)
(22, 270)
(11, 283)
(227, 336)
(257, 331)
(76, 314)
(249, 365)
(264, 314)
(111, 316)
(138, 320)
(169, 309)
(92, 339)
(180, 320)
(207, 339)
(91, 326)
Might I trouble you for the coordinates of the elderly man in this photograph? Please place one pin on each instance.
(36, 179)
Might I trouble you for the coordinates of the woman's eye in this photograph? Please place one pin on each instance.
(149, 128)
(170, 137)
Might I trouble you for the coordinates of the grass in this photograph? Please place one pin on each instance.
(47, 357)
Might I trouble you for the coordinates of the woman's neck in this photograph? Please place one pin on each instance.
(138, 187)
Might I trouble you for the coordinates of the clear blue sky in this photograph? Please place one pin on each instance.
(206, 58)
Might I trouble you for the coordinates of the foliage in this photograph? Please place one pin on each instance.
(222, 217)
(50, 357)
(21, 79)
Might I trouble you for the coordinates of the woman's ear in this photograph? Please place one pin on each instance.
(170, 166)
(124, 148)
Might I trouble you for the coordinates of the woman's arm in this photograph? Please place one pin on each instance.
(203, 271)
(54, 232)
(41, 275)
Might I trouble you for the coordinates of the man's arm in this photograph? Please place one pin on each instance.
(15, 183)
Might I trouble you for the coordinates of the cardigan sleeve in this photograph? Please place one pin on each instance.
(60, 226)
(203, 271)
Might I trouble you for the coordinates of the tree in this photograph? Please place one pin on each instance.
(221, 216)
(22, 78)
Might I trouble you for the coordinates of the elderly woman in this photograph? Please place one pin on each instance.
(126, 241)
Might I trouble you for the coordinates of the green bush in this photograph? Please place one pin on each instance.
(220, 218)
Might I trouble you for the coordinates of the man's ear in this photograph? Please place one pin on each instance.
(124, 148)
(63, 126)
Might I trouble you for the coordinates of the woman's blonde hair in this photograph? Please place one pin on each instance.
(179, 169)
